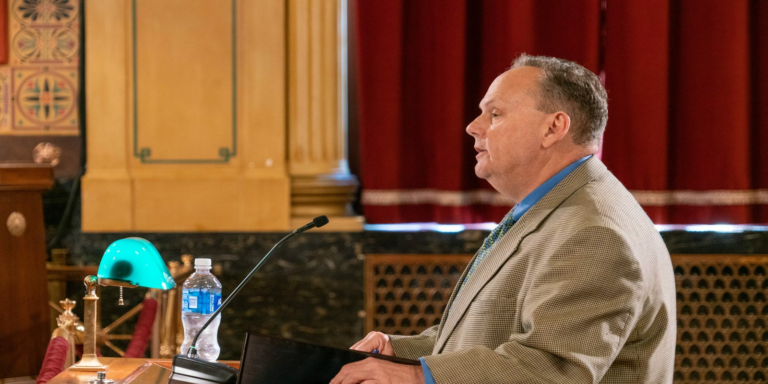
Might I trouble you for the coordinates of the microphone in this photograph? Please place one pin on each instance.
(193, 366)
(317, 222)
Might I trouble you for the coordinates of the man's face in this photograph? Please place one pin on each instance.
(508, 133)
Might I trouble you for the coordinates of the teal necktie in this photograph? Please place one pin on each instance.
(489, 242)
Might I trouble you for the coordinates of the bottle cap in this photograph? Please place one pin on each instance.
(202, 263)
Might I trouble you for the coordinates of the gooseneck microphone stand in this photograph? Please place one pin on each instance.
(190, 364)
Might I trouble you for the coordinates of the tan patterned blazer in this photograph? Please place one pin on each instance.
(580, 290)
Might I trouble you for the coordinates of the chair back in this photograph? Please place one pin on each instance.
(55, 358)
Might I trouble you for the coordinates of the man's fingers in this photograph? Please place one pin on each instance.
(373, 370)
(356, 345)
(375, 341)
(343, 373)
(365, 346)
(371, 342)
(351, 373)
(353, 378)
(364, 341)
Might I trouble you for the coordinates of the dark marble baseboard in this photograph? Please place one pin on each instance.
(312, 288)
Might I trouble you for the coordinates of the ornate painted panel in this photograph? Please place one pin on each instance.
(39, 84)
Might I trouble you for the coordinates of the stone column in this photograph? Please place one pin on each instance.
(321, 183)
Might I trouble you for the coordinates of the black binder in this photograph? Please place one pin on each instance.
(273, 360)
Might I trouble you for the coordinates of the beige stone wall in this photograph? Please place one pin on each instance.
(205, 115)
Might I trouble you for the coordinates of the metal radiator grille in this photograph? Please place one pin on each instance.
(406, 294)
(722, 311)
(721, 318)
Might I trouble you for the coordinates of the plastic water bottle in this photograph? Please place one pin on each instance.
(201, 296)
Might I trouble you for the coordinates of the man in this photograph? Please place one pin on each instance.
(575, 285)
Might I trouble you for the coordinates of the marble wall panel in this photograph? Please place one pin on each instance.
(312, 288)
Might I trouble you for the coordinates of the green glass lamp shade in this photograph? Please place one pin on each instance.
(135, 261)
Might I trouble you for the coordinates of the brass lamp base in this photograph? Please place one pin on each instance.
(88, 363)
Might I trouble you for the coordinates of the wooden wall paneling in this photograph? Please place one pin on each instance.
(24, 325)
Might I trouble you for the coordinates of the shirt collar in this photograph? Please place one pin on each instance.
(529, 201)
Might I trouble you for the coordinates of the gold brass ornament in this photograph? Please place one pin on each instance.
(68, 329)
(46, 153)
(67, 319)
(17, 224)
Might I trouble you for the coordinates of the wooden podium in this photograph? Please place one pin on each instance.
(127, 371)
(25, 324)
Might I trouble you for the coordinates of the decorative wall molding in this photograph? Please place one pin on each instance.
(487, 197)
(435, 197)
(198, 153)
(715, 197)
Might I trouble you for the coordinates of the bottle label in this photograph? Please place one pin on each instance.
(202, 301)
(190, 300)
(209, 302)
(205, 302)
(185, 300)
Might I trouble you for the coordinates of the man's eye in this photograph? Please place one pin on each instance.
(494, 115)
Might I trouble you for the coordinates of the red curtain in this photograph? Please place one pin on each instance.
(686, 80)
(423, 67)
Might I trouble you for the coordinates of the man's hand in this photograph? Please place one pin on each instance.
(375, 341)
(377, 371)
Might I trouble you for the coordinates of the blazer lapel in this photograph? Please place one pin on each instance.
(509, 244)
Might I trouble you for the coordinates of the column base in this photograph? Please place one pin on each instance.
(330, 195)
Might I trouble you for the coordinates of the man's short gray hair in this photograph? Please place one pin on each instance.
(569, 87)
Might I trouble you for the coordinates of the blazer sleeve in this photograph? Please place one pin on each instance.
(583, 301)
(413, 347)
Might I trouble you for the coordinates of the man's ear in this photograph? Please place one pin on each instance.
(558, 125)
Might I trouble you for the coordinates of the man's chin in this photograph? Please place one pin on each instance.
(481, 173)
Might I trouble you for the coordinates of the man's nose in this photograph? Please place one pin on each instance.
(474, 128)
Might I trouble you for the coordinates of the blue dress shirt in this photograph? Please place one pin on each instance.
(517, 212)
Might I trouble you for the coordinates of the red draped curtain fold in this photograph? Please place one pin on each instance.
(688, 87)
(686, 79)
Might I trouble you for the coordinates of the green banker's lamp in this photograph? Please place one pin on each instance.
(132, 262)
